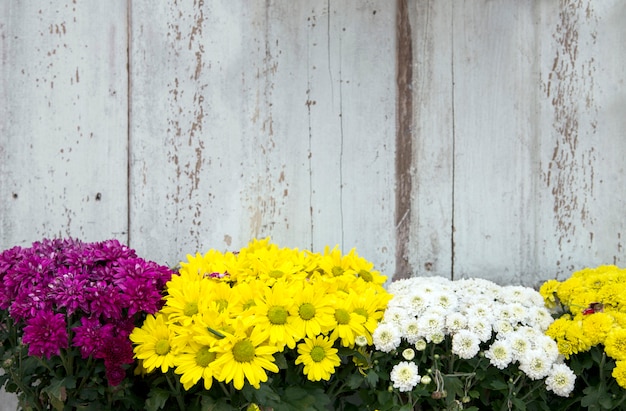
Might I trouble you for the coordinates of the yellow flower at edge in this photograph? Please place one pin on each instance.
(154, 343)
(312, 312)
(319, 358)
(619, 373)
(245, 355)
(615, 344)
(548, 292)
(348, 324)
(596, 326)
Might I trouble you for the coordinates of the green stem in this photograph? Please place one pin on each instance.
(176, 389)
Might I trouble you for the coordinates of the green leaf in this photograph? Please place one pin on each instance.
(157, 399)
(372, 378)
(498, 385)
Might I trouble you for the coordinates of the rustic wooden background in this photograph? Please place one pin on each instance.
(458, 138)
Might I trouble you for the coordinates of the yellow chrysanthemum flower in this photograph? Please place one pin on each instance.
(569, 336)
(371, 304)
(596, 327)
(615, 344)
(311, 311)
(273, 318)
(194, 362)
(245, 357)
(619, 373)
(319, 358)
(548, 292)
(348, 324)
(154, 343)
(185, 299)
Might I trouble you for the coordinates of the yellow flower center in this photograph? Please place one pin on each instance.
(342, 316)
(243, 351)
(366, 276)
(221, 304)
(204, 356)
(275, 274)
(190, 309)
(277, 315)
(318, 353)
(306, 311)
(361, 311)
(337, 271)
(249, 303)
(162, 347)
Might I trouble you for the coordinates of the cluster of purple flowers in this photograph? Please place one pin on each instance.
(68, 294)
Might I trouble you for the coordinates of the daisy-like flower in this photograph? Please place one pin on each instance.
(431, 324)
(561, 380)
(185, 299)
(410, 331)
(244, 357)
(500, 354)
(465, 344)
(455, 321)
(195, 362)
(386, 337)
(318, 357)
(348, 324)
(311, 311)
(481, 327)
(405, 376)
(273, 316)
(154, 343)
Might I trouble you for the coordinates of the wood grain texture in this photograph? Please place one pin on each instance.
(63, 121)
(271, 119)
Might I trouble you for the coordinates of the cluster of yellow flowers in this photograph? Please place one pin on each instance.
(227, 315)
(594, 313)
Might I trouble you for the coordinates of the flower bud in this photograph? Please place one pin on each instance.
(361, 341)
(426, 380)
(408, 354)
(420, 345)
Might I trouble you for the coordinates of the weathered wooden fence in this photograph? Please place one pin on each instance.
(457, 138)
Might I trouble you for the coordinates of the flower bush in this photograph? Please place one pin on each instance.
(466, 344)
(277, 327)
(590, 331)
(67, 309)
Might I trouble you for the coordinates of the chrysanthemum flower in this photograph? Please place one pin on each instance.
(194, 362)
(186, 298)
(465, 344)
(386, 337)
(348, 324)
(535, 364)
(312, 312)
(273, 316)
(619, 373)
(244, 357)
(154, 343)
(319, 358)
(405, 376)
(499, 354)
(45, 334)
(561, 380)
(615, 344)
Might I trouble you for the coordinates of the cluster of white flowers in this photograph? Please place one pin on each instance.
(506, 322)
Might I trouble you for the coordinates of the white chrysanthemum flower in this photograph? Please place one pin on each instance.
(411, 331)
(500, 354)
(436, 338)
(561, 380)
(465, 344)
(396, 315)
(481, 311)
(417, 303)
(404, 376)
(539, 318)
(501, 326)
(408, 354)
(548, 346)
(455, 321)
(519, 344)
(446, 300)
(430, 324)
(386, 337)
(534, 364)
(519, 313)
(481, 327)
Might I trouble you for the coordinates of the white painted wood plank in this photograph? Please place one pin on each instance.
(494, 102)
(582, 136)
(63, 121)
(251, 130)
(432, 205)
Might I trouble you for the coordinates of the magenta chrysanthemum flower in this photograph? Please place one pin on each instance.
(45, 334)
(91, 336)
(100, 290)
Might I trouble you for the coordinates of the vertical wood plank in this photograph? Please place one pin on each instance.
(430, 247)
(63, 121)
(495, 169)
(583, 146)
(249, 103)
